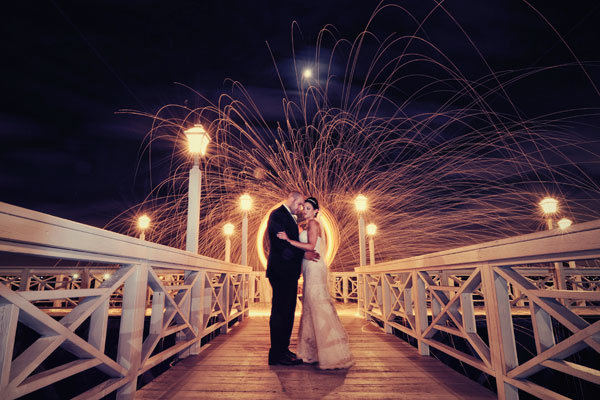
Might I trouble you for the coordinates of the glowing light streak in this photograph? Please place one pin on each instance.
(443, 165)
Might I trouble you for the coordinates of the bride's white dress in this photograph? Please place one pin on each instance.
(322, 337)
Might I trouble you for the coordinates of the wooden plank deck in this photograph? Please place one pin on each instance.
(234, 366)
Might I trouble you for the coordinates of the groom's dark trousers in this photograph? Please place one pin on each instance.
(283, 271)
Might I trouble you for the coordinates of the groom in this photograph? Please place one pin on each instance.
(283, 271)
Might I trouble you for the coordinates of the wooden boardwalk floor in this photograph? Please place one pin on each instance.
(234, 366)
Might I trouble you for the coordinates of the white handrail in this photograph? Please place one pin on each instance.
(445, 293)
(212, 295)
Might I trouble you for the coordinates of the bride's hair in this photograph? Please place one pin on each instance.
(313, 202)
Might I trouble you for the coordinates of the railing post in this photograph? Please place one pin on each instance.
(387, 302)
(500, 330)
(225, 303)
(246, 294)
(132, 327)
(577, 283)
(252, 286)
(9, 315)
(85, 278)
(345, 288)
(420, 303)
(25, 278)
(197, 310)
(360, 290)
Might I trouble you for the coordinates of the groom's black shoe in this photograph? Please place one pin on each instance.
(290, 354)
(284, 360)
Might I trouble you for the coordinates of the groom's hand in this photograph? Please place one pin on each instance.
(312, 255)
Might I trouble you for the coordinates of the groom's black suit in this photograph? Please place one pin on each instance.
(283, 271)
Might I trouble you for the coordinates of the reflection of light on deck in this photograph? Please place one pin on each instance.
(264, 309)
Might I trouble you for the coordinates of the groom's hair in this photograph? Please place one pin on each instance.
(295, 195)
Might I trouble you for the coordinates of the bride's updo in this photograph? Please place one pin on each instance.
(313, 202)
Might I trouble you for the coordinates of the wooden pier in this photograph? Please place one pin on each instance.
(234, 366)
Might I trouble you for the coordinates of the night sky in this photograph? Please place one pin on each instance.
(69, 67)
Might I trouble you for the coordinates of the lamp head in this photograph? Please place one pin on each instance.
(564, 223)
(143, 222)
(245, 202)
(371, 229)
(197, 139)
(549, 205)
(228, 229)
(360, 202)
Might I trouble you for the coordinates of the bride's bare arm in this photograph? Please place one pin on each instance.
(313, 235)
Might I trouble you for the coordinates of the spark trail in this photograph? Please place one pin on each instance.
(445, 160)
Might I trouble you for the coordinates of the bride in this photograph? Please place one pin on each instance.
(322, 337)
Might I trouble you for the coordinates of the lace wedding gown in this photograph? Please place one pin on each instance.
(322, 337)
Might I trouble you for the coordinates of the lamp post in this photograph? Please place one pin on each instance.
(228, 231)
(549, 208)
(245, 205)
(143, 224)
(360, 202)
(371, 230)
(197, 142)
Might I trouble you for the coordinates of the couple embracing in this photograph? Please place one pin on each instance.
(321, 338)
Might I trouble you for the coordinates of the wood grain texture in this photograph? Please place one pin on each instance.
(234, 366)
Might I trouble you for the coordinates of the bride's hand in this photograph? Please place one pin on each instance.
(282, 235)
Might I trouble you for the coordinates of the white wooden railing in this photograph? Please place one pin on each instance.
(343, 286)
(211, 296)
(438, 295)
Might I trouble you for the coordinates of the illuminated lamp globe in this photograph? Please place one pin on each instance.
(245, 202)
(371, 229)
(549, 205)
(197, 139)
(144, 222)
(564, 223)
(228, 229)
(360, 202)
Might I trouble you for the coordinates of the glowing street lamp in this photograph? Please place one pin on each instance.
(360, 202)
(549, 208)
(371, 230)
(143, 224)
(198, 140)
(245, 205)
(564, 223)
(307, 73)
(228, 231)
